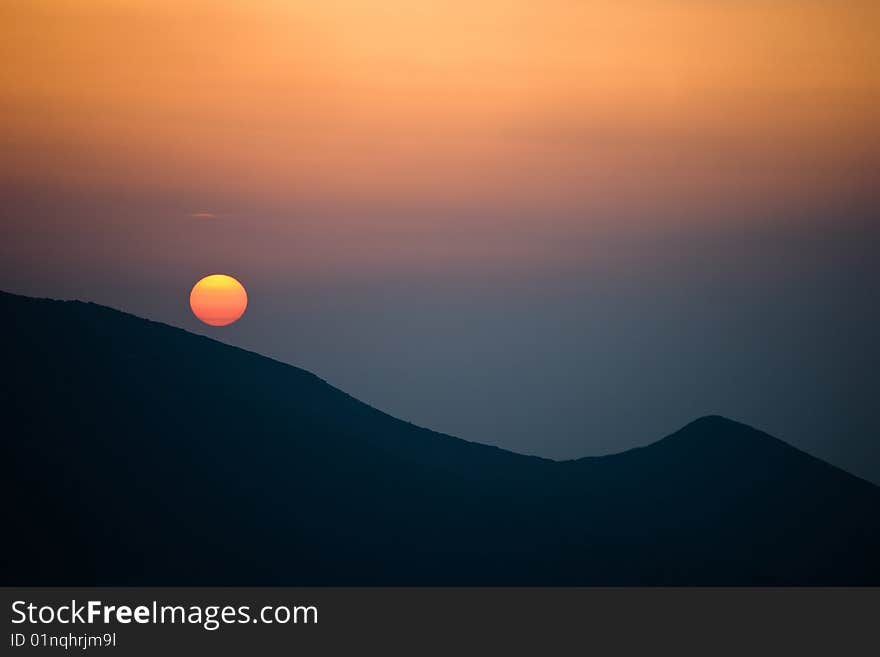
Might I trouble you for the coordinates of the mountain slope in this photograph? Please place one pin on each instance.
(137, 453)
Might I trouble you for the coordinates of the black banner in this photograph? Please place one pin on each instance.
(415, 621)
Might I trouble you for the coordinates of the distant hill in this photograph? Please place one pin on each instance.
(137, 453)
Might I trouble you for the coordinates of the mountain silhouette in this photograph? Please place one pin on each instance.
(136, 453)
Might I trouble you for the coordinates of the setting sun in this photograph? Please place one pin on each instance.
(218, 300)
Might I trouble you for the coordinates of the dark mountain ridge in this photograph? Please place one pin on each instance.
(138, 453)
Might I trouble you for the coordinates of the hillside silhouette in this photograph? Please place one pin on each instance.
(137, 453)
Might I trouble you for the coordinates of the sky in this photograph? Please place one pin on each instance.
(565, 228)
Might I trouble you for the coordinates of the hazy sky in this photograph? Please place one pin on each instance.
(562, 227)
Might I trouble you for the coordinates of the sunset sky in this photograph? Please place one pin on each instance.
(563, 227)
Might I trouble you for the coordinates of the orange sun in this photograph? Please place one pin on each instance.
(218, 300)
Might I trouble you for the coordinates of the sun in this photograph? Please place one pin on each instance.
(218, 300)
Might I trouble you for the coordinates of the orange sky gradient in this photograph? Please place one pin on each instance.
(393, 97)
(420, 118)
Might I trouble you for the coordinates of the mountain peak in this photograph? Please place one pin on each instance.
(714, 437)
(717, 428)
(715, 421)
